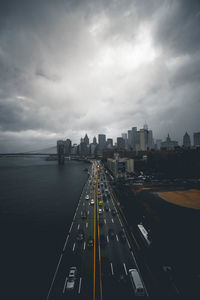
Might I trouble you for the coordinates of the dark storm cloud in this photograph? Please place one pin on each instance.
(178, 27)
(67, 67)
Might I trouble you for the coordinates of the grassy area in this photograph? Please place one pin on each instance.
(187, 198)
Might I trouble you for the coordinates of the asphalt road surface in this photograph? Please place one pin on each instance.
(102, 268)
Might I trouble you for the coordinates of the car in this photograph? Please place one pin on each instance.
(92, 202)
(113, 212)
(80, 236)
(84, 214)
(106, 208)
(71, 279)
(111, 234)
(90, 242)
(87, 197)
(100, 211)
(103, 241)
(122, 236)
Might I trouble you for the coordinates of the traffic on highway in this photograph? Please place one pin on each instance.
(97, 260)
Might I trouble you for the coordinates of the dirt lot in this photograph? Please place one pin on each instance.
(188, 198)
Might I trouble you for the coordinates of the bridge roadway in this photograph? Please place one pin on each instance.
(102, 269)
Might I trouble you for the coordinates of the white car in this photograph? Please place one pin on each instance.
(92, 202)
(87, 197)
(71, 278)
(100, 211)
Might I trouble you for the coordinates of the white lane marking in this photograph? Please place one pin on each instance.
(112, 220)
(84, 245)
(83, 203)
(117, 238)
(71, 227)
(65, 243)
(111, 266)
(78, 226)
(105, 221)
(107, 239)
(119, 221)
(128, 243)
(74, 246)
(79, 288)
(86, 225)
(177, 291)
(125, 268)
(88, 212)
(54, 277)
(64, 285)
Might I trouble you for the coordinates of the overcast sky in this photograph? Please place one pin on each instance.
(71, 67)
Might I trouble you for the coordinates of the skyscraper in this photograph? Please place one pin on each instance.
(86, 139)
(102, 142)
(68, 145)
(186, 140)
(197, 139)
(130, 138)
(94, 140)
(143, 139)
(109, 143)
(120, 143)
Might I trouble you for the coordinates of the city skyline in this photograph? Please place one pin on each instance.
(70, 67)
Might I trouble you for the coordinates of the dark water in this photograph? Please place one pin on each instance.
(37, 204)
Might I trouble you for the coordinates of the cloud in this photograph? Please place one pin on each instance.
(68, 67)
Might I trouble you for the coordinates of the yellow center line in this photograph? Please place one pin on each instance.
(100, 278)
(94, 280)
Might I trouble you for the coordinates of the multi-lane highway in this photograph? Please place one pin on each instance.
(96, 248)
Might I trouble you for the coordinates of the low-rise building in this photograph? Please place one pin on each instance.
(120, 167)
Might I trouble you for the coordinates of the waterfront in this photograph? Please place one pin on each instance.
(37, 203)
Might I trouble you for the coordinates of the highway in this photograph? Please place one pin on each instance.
(97, 245)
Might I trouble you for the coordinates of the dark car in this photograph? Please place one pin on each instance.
(90, 242)
(122, 236)
(106, 208)
(113, 212)
(84, 214)
(111, 234)
(80, 236)
(103, 241)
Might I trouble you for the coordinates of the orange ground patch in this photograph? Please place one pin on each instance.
(189, 198)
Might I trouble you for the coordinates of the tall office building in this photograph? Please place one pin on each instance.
(120, 143)
(94, 140)
(150, 140)
(102, 142)
(134, 137)
(68, 146)
(86, 139)
(125, 137)
(130, 138)
(109, 143)
(143, 139)
(186, 141)
(197, 139)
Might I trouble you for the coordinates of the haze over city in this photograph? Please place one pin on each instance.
(71, 67)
